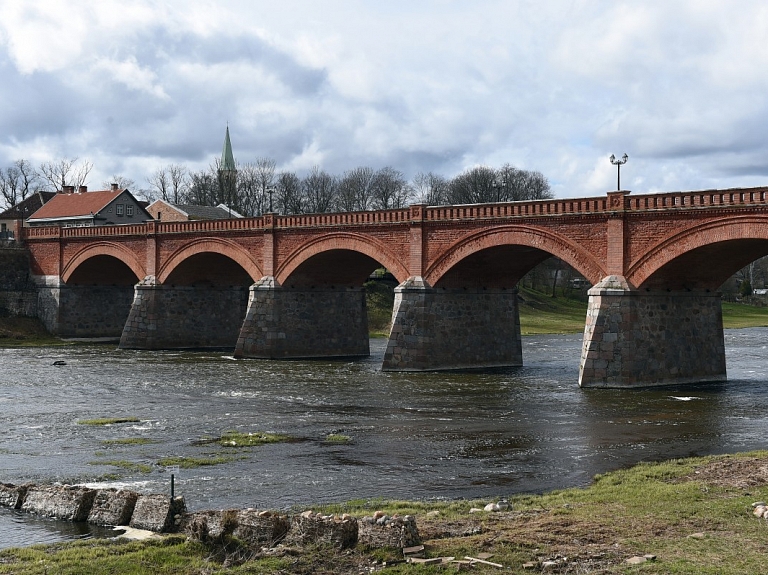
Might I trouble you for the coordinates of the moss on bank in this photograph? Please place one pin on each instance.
(692, 515)
(25, 332)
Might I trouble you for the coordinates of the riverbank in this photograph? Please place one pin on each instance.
(680, 516)
(25, 331)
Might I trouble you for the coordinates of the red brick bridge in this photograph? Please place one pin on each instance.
(291, 286)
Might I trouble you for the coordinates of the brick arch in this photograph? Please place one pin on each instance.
(557, 245)
(115, 250)
(343, 241)
(223, 247)
(719, 231)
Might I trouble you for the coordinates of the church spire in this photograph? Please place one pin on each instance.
(227, 159)
(228, 175)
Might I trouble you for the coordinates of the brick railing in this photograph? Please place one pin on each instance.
(534, 208)
(699, 199)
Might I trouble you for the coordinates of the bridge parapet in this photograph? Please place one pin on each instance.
(698, 199)
(344, 218)
(427, 214)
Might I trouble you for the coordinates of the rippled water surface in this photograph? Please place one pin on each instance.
(415, 436)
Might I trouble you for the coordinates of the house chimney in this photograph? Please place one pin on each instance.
(68, 189)
(114, 187)
(83, 189)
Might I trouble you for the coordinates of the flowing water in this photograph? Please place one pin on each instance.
(413, 436)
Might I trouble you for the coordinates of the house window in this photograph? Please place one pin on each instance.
(129, 210)
(119, 210)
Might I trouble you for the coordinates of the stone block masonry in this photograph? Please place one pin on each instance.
(184, 317)
(18, 293)
(84, 311)
(438, 329)
(645, 338)
(303, 323)
(66, 503)
(161, 514)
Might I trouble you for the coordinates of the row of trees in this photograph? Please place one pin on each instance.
(259, 186)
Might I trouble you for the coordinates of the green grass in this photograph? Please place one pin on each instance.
(542, 314)
(26, 332)
(108, 420)
(240, 439)
(192, 462)
(337, 438)
(694, 515)
(738, 315)
(379, 300)
(128, 441)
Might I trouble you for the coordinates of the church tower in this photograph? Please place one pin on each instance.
(228, 174)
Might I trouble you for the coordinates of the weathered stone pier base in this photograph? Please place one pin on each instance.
(184, 317)
(83, 311)
(294, 323)
(645, 338)
(441, 329)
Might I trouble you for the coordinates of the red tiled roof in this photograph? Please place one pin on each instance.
(73, 205)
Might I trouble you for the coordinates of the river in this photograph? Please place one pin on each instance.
(412, 436)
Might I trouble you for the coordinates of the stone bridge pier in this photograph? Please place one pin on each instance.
(183, 317)
(453, 328)
(82, 311)
(636, 338)
(303, 322)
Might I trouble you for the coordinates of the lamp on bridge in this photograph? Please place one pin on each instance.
(618, 164)
(270, 190)
(499, 186)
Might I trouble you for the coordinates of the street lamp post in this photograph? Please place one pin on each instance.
(618, 164)
(270, 191)
(499, 186)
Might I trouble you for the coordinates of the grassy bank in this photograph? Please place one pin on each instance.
(542, 314)
(692, 516)
(25, 331)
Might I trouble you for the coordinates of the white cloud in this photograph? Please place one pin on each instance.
(433, 85)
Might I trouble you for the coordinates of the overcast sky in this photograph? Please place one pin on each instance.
(421, 85)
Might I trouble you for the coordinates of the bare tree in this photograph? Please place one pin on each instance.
(179, 182)
(122, 182)
(514, 185)
(159, 182)
(430, 189)
(65, 172)
(319, 191)
(17, 182)
(203, 189)
(390, 189)
(288, 196)
(170, 182)
(250, 201)
(473, 186)
(483, 184)
(265, 172)
(355, 190)
(9, 186)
